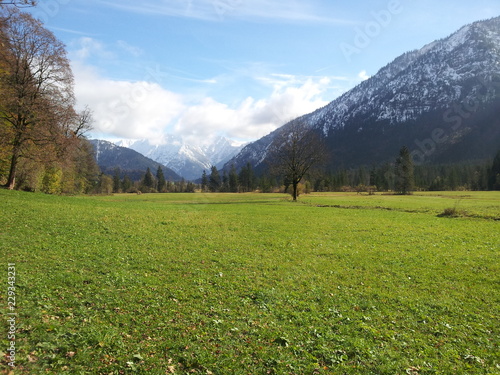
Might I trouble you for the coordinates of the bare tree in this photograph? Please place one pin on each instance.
(295, 151)
(19, 3)
(36, 84)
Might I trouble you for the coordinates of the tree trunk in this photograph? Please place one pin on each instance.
(11, 182)
(295, 184)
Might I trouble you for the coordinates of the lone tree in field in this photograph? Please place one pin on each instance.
(403, 171)
(294, 152)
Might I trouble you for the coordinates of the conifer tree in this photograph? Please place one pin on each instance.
(148, 180)
(116, 181)
(126, 184)
(214, 181)
(494, 174)
(162, 183)
(204, 181)
(233, 180)
(404, 177)
(247, 178)
(225, 182)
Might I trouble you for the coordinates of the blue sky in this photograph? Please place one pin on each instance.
(239, 68)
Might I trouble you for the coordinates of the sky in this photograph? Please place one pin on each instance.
(235, 68)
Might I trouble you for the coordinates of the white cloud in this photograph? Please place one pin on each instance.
(363, 75)
(126, 109)
(86, 47)
(145, 109)
(253, 118)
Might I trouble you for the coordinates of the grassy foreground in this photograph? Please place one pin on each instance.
(252, 284)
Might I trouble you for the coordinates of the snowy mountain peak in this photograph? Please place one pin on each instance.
(184, 158)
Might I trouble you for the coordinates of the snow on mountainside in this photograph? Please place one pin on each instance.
(409, 98)
(186, 159)
(420, 80)
(110, 157)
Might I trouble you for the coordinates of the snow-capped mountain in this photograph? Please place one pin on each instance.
(442, 102)
(185, 159)
(110, 157)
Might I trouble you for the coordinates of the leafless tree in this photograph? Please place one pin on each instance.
(19, 3)
(36, 86)
(84, 123)
(295, 151)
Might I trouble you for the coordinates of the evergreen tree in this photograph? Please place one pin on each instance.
(204, 181)
(116, 181)
(233, 180)
(190, 187)
(404, 174)
(161, 184)
(214, 181)
(148, 182)
(225, 182)
(494, 174)
(126, 184)
(247, 178)
(182, 186)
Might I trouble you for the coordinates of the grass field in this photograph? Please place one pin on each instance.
(252, 283)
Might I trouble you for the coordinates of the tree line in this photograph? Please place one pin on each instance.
(120, 182)
(400, 177)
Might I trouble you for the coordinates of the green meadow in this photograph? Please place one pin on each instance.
(336, 283)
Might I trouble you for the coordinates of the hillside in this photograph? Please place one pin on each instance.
(442, 102)
(110, 156)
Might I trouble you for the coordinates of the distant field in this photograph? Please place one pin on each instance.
(253, 283)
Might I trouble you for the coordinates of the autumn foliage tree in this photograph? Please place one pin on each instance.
(38, 121)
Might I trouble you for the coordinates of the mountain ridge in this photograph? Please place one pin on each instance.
(110, 157)
(184, 158)
(420, 95)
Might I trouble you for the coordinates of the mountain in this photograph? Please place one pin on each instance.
(110, 156)
(442, 102)
(186, 159)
